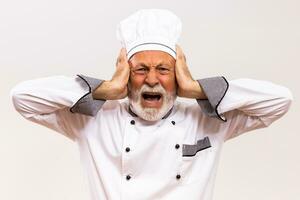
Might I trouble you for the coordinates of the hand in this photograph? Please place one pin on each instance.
(116, 88)
(187, 86)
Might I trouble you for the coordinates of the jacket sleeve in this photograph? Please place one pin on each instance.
(60, 103)
(244, 104)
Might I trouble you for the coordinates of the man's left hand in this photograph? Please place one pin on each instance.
(187, 86)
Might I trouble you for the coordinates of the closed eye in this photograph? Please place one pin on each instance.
(163, 69)
(141, 70)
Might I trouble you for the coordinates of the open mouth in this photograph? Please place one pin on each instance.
(151, 96)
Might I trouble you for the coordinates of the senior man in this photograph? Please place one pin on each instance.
(150, 146)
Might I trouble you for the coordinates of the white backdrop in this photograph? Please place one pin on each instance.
(257, 39)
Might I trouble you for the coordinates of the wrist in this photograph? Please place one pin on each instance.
(109, 90)
(103, 91)
(192, 90)
(199, 91)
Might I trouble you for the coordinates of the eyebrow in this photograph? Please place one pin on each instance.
(159, 65)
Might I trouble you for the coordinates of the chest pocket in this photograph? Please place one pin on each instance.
(194, 158)
(189, 150)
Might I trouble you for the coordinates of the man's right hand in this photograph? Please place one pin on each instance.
(116, 88)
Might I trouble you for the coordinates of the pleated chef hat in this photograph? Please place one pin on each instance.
(150, 29)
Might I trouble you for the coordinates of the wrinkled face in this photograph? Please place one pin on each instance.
(152, 84)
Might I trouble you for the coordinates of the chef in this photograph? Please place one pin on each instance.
(150, 146)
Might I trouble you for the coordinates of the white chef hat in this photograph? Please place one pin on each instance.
(150, 29)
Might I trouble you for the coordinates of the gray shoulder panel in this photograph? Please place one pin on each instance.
(86, 104)
(215, 89)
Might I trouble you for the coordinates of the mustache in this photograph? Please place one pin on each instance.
(155, 89)
(134, 93)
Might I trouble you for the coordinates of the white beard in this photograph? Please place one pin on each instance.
(150, 114)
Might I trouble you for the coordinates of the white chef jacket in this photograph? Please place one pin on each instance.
(127, 158)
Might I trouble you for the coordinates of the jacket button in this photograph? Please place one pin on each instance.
(178, 176)
(177, 146)
(127, 149)
(132, 122)
(128, 177)
(173, 122)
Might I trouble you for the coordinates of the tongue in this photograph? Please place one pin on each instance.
(152, 98)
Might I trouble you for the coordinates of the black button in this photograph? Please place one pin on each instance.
(173, 122)
(132, 122)
(128, 177)
(177, 146)
(178, 176)
(127, 149)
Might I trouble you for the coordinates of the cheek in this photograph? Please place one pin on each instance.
(136, 81)
(168, 83)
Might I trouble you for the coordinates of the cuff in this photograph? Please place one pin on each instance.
(215, 89)
(86, 104)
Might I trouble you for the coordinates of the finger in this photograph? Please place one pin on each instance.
(179, 54)
(181, 69)
(122, 58)
(122, 65)
(123, 54)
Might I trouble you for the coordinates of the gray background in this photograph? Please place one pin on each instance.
(256, 39)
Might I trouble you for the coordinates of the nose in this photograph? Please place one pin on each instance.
(151, 78)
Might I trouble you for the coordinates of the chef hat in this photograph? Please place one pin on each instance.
(150, 29)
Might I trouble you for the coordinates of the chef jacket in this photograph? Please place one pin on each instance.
(128, 158)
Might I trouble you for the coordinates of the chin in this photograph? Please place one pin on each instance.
(150, 114)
